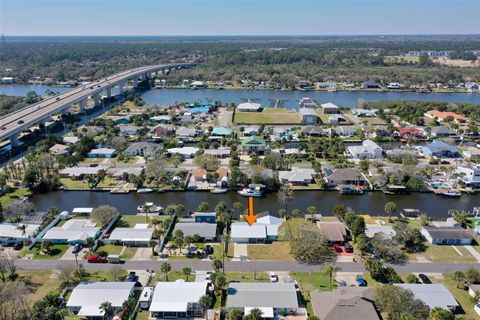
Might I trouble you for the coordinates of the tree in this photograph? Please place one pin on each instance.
(106, 308)
(116, 272)
(8, 270)
(152, 244)
(285, 195)
(395, 301)
(460, 217)
(81, 273)
(205, 302)
(390, 208)
(387, 248)
(424, 220)
(472, 275)
(339, 211)
(409, 238)
(47, 245)
(255, 314)
(103, 215)
(459, 276)
(411, 278)
(207, 162)
(220, 283)
(22, 228)
(331, 270)
(165, 268)
(187, 271)
(217, 265)
(310, 246)
(49, 307)
(89, 243)
(235, 314)
(438, 313)
(311, 211)
(203, 207)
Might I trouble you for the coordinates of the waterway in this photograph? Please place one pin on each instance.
(289, 98)
(369, 203)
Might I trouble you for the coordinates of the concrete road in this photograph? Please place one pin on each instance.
(251, 266)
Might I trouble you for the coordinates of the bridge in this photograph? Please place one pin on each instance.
(14, 123)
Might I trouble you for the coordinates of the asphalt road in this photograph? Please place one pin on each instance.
(249, 266)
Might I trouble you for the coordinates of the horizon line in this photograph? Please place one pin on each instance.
(241, 35)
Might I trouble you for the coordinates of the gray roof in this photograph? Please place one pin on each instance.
(131, 234)
(346, 174)
(258, 295)
(448, 233)
(371, 230)
(204, 230)
(307, 112)
(439, 146)
(242, 230)
(433, 295)
(147, 147)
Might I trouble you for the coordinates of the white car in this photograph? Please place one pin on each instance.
(273, 277)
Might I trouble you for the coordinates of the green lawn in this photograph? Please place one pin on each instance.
(131, 220)
(56, 252)
(311, 281)
(218, 251)
(443, 253)
(71, 184)
(107, 182)
(39, 282)
(110, 249)
(172, 276)
(273, 251)
(461, 295)
(247, 276)
(129, 253)
(142, 315)
(274, 116)
(9, 197)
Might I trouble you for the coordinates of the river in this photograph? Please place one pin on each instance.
(369, 203)
(291, 98)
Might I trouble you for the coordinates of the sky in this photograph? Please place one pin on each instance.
(238, 17)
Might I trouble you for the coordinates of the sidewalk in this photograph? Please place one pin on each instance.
(473, 252)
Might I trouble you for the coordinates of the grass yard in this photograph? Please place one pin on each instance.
(9, 197)
(71, 184)
(142, 315)
(129, 253)
(172, 276)
(39, 282)
(109, 249)
(274, 251)
(443, 253)
(393, 59)
(268, 116)
(310, 281)
(461, 295)
(131, 221)
(56, 252)
(93, 160)
(234, 276)
(218, 251)
(107, 182)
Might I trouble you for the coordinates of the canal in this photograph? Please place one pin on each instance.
(369, 203)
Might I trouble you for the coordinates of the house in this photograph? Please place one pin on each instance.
(304, 85)
(433, 295)
(72, 231)
(86, 298)
(346, 303)
(372, 230)
(7, 80)
(290, 151)
(129, 131)
(221, 132)
(119, 172)
(59, 149)
(329, 86)
(92, 131)
(334, 231)
(344, 131)
(80, 172)
(335, 118)
(347, 176)
(199, 174)
(409, 133)
(101, 153)
(471, 86)
(367, 150)
(472, 153)
(207, 217)
(364, 112)
(297, 176)
(70, 140)
(307, 103)
(473, 290)
(447, 235)
(177, 300)
(394, 86)
(450, 222)
(160, 119)
(198, 85)
(445, 115)
(273, 299)
(221, 153)
(441, 131)
(142, 149)
(470, 175)
(309, 116)
(120, 119)
(162, 132)
(12, 233)
(313, 131)
(330, 108)
(370, 85)
(439, 149)
(185, 133)
(264, 230)
(139, 235)
(206, 231)
(187, 152)
(250, 131)
(272, 224)
(253, 144)
(249, 107)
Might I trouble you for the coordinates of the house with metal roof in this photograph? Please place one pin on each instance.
(433, 295)
(221, 153)
(447, 235)
(329, 108)
(264, 230)
(344, 176)
(297, 176)
(439, 149)
(185, 133)
(249, 107)
(273, 299)
(253, 144)
(142, 149)
(73, 231)
(177, 300)
(86, 298)
(187, 152)
(206, 231)
(367, 150)
(102, 153)
(207, 217)
(372, 230)
(12, 233)
(221, 132)
(139, 235)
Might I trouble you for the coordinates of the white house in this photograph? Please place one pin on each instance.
(329, 107)
(309, 116)
(249, 107)
(469, 174)
(367, 150)
(72, 231)
(264, 230)
(433, 295)
(187, 152)
(86, 298)
(177, 300)
(447, 235)
(140, 235)
(12, 233)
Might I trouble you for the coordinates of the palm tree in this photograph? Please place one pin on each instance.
(205, 302)
(226, 240)
(459, 276)
(152, 243)
(312, 211)
(165, 268)
(285, 195)
(89, 243)
(107, 309)
(186, 272)
(331, 270)
(217, 265)
(255, 314)
(23, 229)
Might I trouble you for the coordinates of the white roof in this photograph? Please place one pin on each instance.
(10, 230)
(102, 151)
(91, 311)
(329, 105)
(74, 229)
(70, 139)
(271, 220)
(89, 296)
(184, 150)
(244, 230)
(433, 295)
(307, 112)
(175, 296)
(131, 234)
(249, 106)
(82, 210)
(371, 230)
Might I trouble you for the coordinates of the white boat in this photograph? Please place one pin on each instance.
(149, 207)
(144, 190)
(251, 192)
(119, 191)
(452, 194)
(218, 190)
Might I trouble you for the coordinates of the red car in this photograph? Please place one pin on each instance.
(96, 259)
(337, 247)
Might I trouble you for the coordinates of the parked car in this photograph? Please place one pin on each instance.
(361, 281)
(131, 277)
(114, 258)
(337, 247)
(18, 246)
(348, 247)
(208, 249)
(77, 248)
(424, 278)
(96, 259)
(273, 277)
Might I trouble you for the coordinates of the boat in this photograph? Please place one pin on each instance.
(394, 189)
(144, 190)
(218, 190)
(119, 191)
(350, 190)
(451, 193)
(410, 213)
(251, 192)
(149, 207)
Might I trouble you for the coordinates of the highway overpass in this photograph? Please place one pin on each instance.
(14, 123)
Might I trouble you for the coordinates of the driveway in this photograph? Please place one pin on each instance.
(68, 255)
(240, 252)
(473, 252)
(347, 277)
(143, 254)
